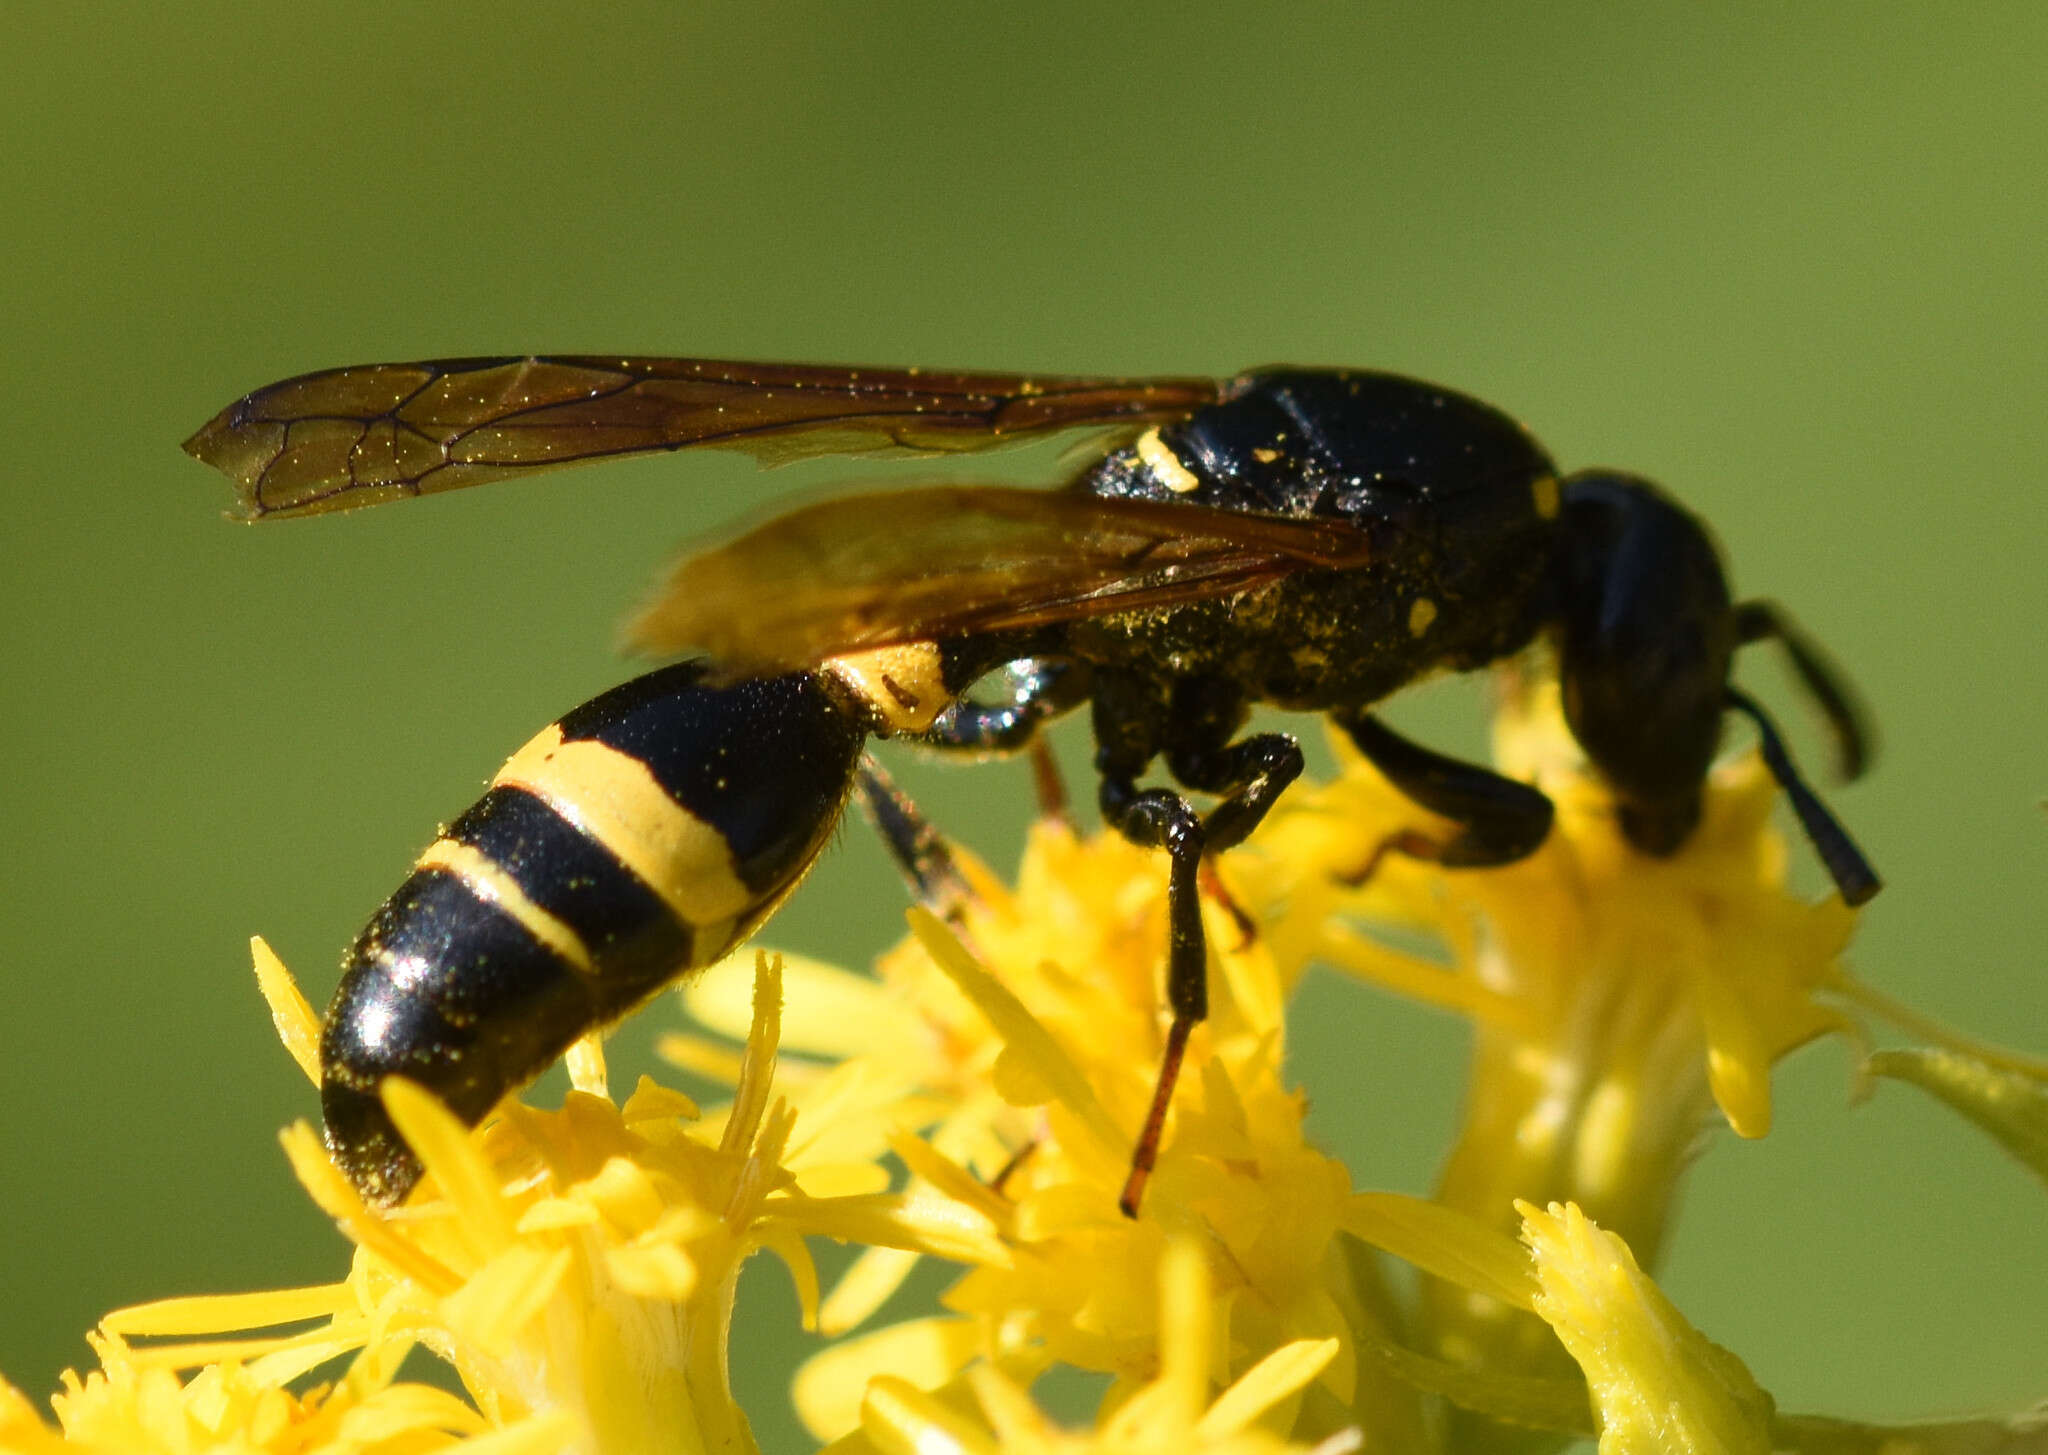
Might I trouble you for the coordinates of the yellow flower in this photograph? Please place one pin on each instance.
(1616, 999)
(133, 1405)
(574, 1266)
(1036, 1052)
(1029, 1039)
(1658, 1385)
(577, 1268)
(1039, 1045)
(1616, 996)
(987, 1412)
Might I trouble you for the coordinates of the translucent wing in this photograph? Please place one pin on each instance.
(871, 570)
(351, 437)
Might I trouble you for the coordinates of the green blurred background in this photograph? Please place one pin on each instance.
(1787, 260)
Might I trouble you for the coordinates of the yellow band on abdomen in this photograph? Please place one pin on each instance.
(488, 880)
(615, 799)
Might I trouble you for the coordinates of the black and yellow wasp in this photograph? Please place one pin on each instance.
(1307, 538)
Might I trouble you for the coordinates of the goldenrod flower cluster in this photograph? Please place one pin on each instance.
(974, 1102)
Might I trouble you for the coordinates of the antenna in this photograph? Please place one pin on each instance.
(1852, 873)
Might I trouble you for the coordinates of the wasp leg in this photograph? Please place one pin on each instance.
(1040, 688)
(920, 851)
(1018, 1158)
(1757, 621)
(1249, 777)
(1160, 818)
(1048, 785)
(1196, 719)
(1499, 819)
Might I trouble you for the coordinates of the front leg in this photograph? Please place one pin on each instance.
(1499, 820)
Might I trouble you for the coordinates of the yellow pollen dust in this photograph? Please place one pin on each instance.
(1420, 615)
(1545, 493)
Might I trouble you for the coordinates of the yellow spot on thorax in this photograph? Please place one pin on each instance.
(905, 684)
(1544, 492)
(1420, 615)
(1164, 465)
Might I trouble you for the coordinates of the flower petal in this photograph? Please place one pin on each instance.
(297, 1026)
(830, 1386)
(1658, 1385)
(904, 1420)
(1453, 1245)
(1021, 1031)
(1283, 1373)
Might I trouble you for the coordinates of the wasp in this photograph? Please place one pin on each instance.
(1312, 539)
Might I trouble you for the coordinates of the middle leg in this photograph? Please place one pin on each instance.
(1193, 724)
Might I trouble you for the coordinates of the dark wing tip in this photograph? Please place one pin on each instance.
(240, 451)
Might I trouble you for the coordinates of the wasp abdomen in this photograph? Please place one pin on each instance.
(643, 835)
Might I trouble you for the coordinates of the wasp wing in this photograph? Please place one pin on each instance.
(351, 437)
(874, 570)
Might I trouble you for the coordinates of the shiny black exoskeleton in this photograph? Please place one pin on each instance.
(618, 848)
(1310, 539)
